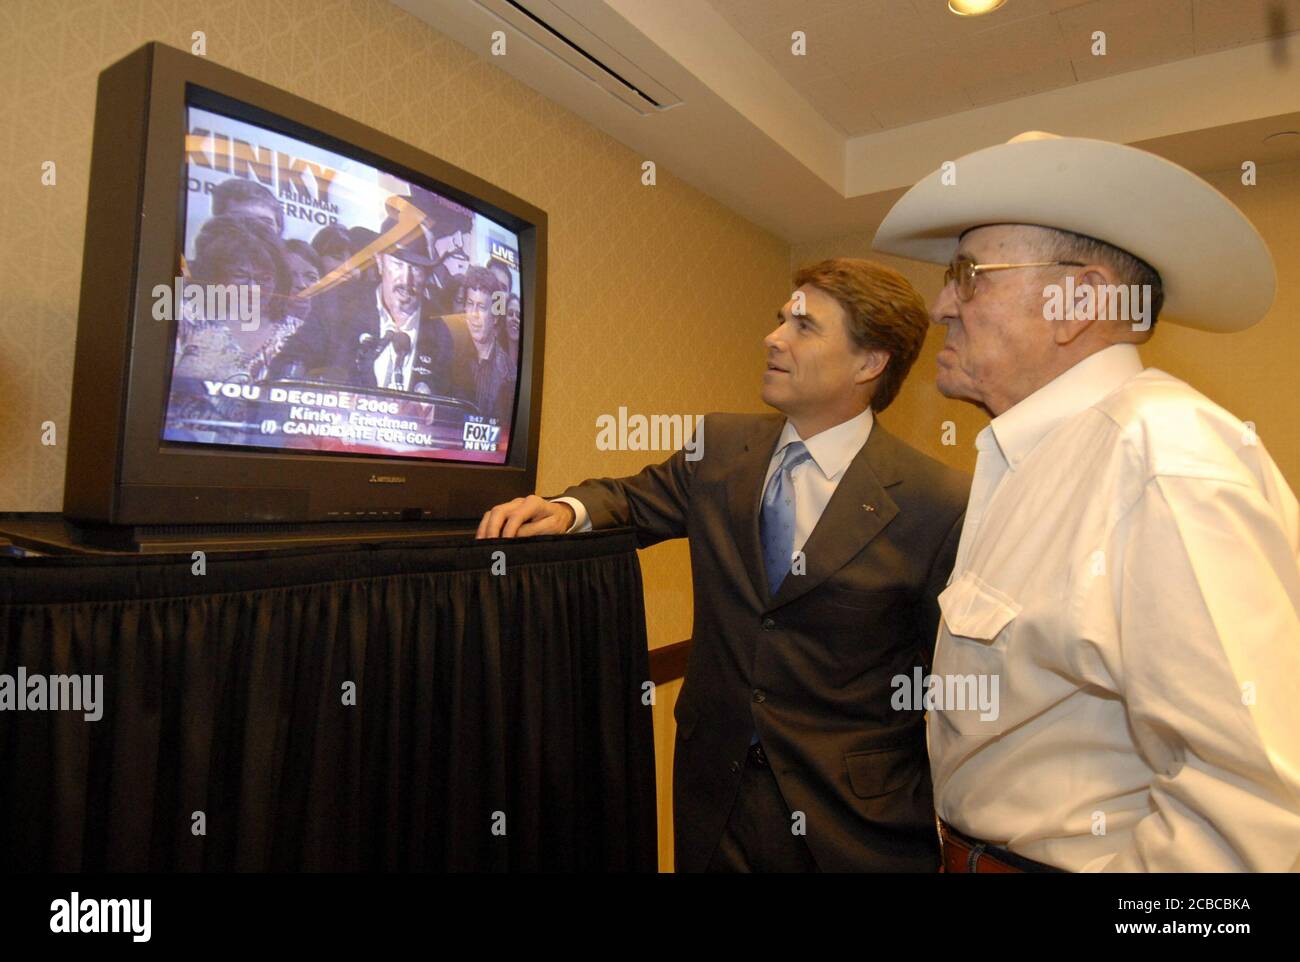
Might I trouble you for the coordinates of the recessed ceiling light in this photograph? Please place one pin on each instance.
(1282, 134)
(973, 8)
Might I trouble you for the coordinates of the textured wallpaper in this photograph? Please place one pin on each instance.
(659, 296)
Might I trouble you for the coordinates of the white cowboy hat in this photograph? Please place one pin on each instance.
(1216, 270)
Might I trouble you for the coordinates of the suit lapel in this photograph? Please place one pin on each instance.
(745, 495)
(859, 509)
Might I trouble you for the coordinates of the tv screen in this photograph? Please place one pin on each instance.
(289, 319)
(328, 305)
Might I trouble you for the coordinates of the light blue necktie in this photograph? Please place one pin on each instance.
(776, 524)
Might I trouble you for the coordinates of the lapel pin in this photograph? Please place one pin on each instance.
(868, 507)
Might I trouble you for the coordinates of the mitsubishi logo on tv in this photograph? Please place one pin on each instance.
(388, 479)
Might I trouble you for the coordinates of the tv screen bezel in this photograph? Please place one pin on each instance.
(139, 150)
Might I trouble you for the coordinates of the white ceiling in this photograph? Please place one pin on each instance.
(815, 146)
(873, 64)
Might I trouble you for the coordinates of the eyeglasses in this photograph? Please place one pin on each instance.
(965, 271)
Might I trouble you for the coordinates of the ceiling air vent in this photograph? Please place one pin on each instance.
(556, 31)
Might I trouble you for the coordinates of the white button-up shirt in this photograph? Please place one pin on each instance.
(815, 480)
(1128, 571)
(387, 373)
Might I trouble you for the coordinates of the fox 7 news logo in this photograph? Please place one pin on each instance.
(481, 437)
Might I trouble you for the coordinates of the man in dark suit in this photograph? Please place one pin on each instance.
(819, 544)
(377, 335)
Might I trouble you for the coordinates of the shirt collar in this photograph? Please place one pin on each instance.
(1019, 429)
(834, 448)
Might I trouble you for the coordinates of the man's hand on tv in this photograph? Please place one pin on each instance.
(525, 517)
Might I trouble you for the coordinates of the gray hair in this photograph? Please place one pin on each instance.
(1066, 245)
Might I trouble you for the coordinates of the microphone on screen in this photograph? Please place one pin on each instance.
(370, 347)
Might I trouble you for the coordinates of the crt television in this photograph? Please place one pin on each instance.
(290, 323)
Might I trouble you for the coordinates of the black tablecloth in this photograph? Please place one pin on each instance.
(499, 721)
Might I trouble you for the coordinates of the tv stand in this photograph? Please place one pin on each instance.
(351, 708)
(54, 534)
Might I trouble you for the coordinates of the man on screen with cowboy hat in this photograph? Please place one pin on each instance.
(1127, 570)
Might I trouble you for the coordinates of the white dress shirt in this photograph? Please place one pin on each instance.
(386, 369)
(1129, 572)
(815, 480)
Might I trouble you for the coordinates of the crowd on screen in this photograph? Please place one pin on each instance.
(403, 309)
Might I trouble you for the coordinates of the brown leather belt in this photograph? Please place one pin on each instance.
(963, 854)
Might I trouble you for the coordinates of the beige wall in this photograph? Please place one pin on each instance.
(1252, 373)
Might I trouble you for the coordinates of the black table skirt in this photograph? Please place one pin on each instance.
(499, 721)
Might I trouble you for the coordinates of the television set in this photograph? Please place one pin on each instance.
(292, 327)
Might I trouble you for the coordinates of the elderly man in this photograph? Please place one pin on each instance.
(1128, 565)
(819, 543)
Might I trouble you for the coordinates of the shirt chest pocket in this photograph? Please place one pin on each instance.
(976, 612)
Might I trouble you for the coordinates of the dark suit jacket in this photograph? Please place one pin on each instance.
(810, 669)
